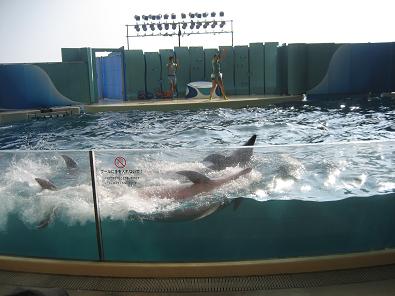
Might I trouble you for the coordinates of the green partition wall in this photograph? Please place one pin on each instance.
(227, 69)
(208, 68)
(164, 57)
(134, 73)
(283, 69)
(183, 73)
(71, 79)
(153, 72)
(318, 57)
(272, 73)
(257, 68)
(297, 68)
(242, 77)
(197, 63)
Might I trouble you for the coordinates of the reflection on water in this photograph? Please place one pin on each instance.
(155, 190)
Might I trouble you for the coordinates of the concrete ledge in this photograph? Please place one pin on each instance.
(195, 270)
(24, 115)
(234, 102)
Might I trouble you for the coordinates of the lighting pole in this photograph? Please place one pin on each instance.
(199, 23)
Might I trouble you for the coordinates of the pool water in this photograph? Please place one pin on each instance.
(319, 162)
(299, 123)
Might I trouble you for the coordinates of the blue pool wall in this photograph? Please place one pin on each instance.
(320, 70)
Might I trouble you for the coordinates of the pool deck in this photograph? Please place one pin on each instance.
(234, 102)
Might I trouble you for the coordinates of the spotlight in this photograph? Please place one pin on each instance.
(213, 24)
(144, 27)
(192, 25)
(166, 16)
(198, 25)
(145, 17)
(183, 15)
(173, 16)
(213, 14)
(174, 26)
(198, 15)
(153, 17)
(137, 28)
(206, 25)
(184, 25)
(159, 17)
(221, 13)
(137, 17)
(205, 14)
(167, 26)
(152, 26)
(222, 24)
(160, 27)
(191, 15)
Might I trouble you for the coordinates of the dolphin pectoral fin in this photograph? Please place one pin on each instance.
(194, 177)
(70, 163)
(251, 141)
(208, 212)
(46, 184)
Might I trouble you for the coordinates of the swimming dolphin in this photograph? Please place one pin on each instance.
(200, 184)
(239, 157)
(191, 213)
(46, 184)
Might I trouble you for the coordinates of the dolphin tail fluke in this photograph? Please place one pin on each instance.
(46, 184)
(194, 177)
(49, 217)
(251, 141)
(70, 163)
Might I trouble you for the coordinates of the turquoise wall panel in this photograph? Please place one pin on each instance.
(197, 63)
(134, 73)
(257, 68)
(164, 57)
(318, 57)
(283, 69)
(70, 79)
(208, 68)
(272, 73)
(242, 78)
(227, 69)
(153, 72)
(183, 73)
(297, 68)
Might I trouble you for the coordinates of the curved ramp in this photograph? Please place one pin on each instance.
(26, 86)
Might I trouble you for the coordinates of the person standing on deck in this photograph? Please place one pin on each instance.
(216, 76)
(172, 67)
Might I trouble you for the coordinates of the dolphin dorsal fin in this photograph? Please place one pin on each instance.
(194, 177)
(70, 163)
(251, 141)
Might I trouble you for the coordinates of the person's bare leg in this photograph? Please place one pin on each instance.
(214, 85)
(221, 85)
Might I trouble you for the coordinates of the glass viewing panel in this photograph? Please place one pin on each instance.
(194, 205)
(46, 205)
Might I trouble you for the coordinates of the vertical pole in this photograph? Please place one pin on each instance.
(231, 28)
(96, 208)
(179, 35)
(127, 35)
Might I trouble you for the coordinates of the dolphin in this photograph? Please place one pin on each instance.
(239, 157)
(187, 214)
(200, 184)
(46, 184)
